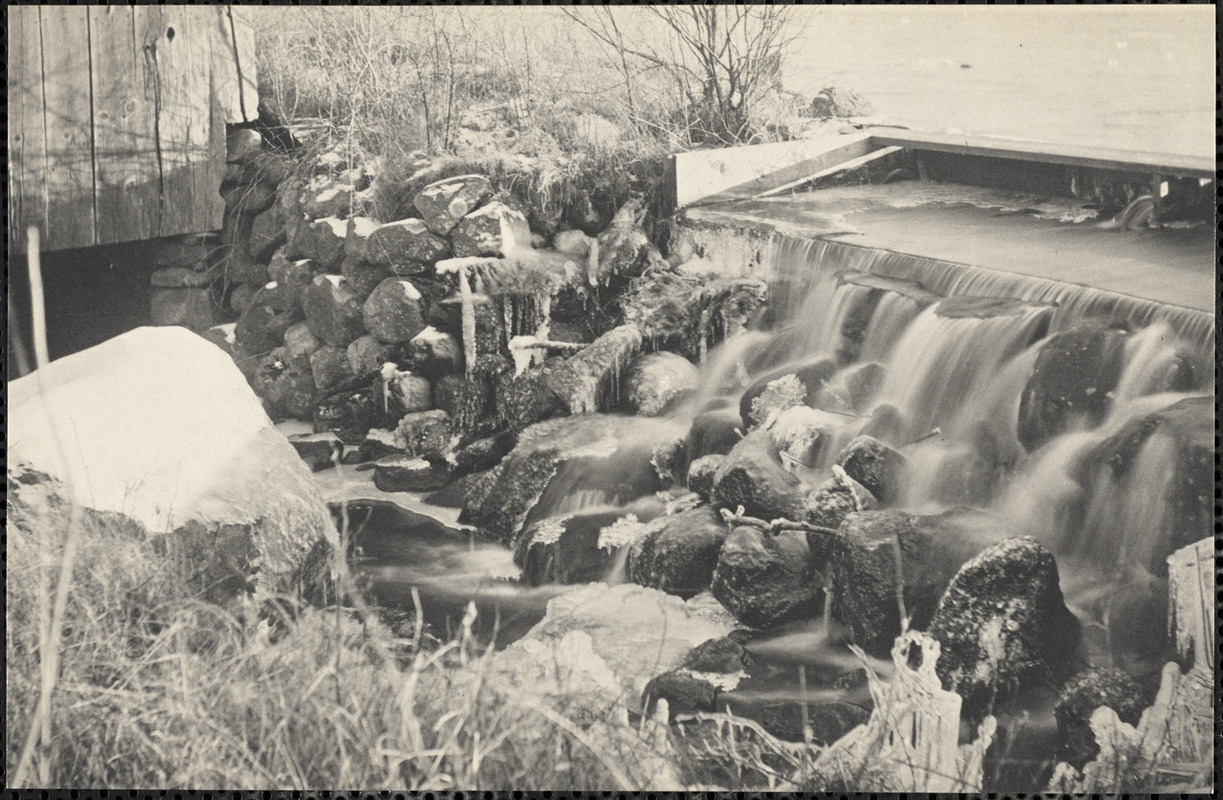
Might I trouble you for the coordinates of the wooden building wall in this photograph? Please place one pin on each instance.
(117, 119)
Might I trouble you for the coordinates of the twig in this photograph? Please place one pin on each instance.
(776, 526)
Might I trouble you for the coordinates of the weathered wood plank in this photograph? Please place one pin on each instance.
(126, 175)
(1074, 155)
(67, 117)
(26, 140)
(234, 70)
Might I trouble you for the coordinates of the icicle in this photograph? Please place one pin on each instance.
(703, 334)
(544, 315)
(469, 322)
(592, 263)
(389, 373)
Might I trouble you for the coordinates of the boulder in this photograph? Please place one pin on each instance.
(1082, 695)
(492, 230)
(874, 465)
(367, 354)
(444, 203)
(723, 656)
(380, 443)
(766, 580)
(572, 243)
(166, 430)
(482, 454)
(333, 310)
(522, 400)
(330, 367)
(406, 247)
(286, 385)
(1071, 383)
(678, 553)
(782, 388)
(713, 432)
(362, 277)
(425, 434)
(261, 327)
(701, 474)
(287, 280)
(320, 240)
(409, 474)
(656, 381)
(830, 503)
(300, 344)
(459, 491)
(864, 572)
(191, 307)
(752, 476)
(581, 547)
(828, 721)
(803, 435)
(408, 392)
(590, 379)
(468, 401)
(1003, 624)
(433, 353)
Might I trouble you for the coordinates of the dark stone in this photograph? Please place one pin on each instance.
(353, 408)
(490, 322)
(1002, 625)
(829, 504)
(443, 203)
(300, 344)
(684, 694)
(701, 475)
(483, 454)
(291, 279)
(874, 465)
(425, 434)
(679, 553)
(318, 450)
(190, 307)
(523, 400)
(367, 354)
(380, 443)
(456, 493)
(724, 656)
(758, 400)
(409, 474)
(828, 721)
(363, 278)
(492, 230)
(1075, 372)
(713, 432)
(395, 311)
(333, 310)
(433, 353)
(572, 548)
(752, 476)
(330, 367)
(261, 327)
(766, 580)
(1080, 697)
(286, 386)
(320, 240)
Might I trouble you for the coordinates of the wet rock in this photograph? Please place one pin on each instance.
(852, 391)
(333, 310)
(525, 399)
(470, 401)
(713, 432)
(425, 434)
(318, 450)
(864, 571)
(679, 552)
(458, 492)
(723, 656)
(261, 327)
(287, 386)
(394, 311)
(590, 379)
(1002, 623)
(444, 203)
(573, 243)
(766, 580)
(493, 230)
(782, 388)
(408, 392)
(801, 434)
(656, 381)
(701, 474)
(1071, 382)
(406, 247)
(752, 476)
(577, 548)
(409, 474)
(192, 307)
(353, 408)
(669, 459)
(1082, 695)
(1183, 434)
(380, 443)
(624, 249)
(874, 465)
(320, 240)
(684, 694)
(829, 504)
(330, 367)
(300, 344)
(828, 721)
(482, 454)
(434, 354)
(367, 354)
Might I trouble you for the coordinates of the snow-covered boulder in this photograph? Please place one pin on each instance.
(159, 424)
